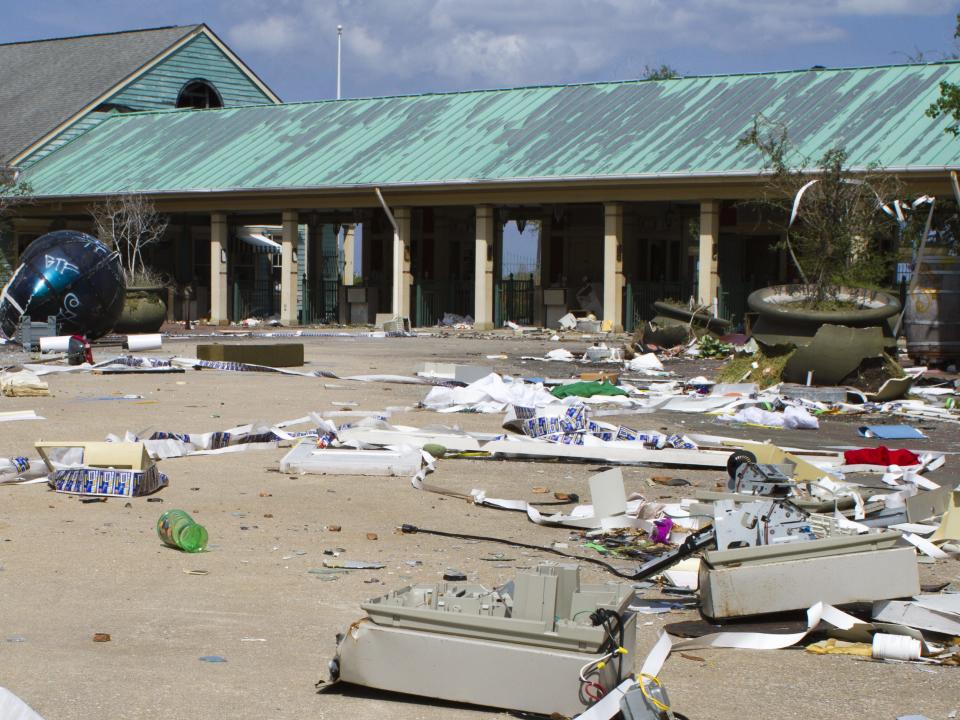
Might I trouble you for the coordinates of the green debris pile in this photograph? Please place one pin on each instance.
(586, 389)
(711, 347)
(764, 370)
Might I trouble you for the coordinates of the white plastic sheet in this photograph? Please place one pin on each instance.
(793, 418)
(13, 708)
(644, 362)
(489, 394)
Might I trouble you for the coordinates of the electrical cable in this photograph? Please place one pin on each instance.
(694, 541)
(662, 707)
(413, 529)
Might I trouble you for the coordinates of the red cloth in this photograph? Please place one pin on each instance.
(880, 456)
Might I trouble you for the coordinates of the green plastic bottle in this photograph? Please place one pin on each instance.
(178, 530)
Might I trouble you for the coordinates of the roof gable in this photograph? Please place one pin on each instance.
(45, 82)
(157, 87)
(686, 127)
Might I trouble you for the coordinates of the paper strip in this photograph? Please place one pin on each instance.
(746, 640)
(926, 547)
(20, 415)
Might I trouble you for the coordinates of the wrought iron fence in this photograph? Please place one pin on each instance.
(433, 298)
(732, 304)
(254, 295)
(639, 298)
(319, 301)
(513, 300)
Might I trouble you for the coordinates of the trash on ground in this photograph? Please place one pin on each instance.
(109, 469)
(23, 384)
(533, 637)
(178, 530)
(352, 565)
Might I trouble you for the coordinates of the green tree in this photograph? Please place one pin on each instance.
(663, 72)
(13, 192)
(949, 101)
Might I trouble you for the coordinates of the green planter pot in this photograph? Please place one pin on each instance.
(781, 322)
(144, 311)
(675, 312)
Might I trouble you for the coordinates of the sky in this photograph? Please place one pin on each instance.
(393, 47)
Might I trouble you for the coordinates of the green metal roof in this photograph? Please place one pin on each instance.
(685, 127)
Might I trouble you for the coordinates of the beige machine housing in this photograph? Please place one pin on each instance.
(520, 647)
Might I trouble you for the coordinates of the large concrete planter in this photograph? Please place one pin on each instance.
(670, 313)
(144, 310)
(781, 322)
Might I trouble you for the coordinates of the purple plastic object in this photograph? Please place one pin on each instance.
(661, 532)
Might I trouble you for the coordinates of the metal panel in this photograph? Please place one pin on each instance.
(785, 583)
(199, 58)
(675, 128)
(159, 88)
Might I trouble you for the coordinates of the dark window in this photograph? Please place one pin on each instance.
(199, 94)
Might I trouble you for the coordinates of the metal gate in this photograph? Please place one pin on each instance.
(256, 290)
(319, 301)
(513, 300)
(638, 299)
(434, 298)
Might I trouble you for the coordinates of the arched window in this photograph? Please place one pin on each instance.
(199, 94)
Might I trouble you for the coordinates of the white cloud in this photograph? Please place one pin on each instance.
(274, 33)
(505, 42)
(894, 7)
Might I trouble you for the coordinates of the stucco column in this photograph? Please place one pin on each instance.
(613, 265)
(708, 280)
(348, 269)
(288, 268)
(402, 278)
(483, 269)
(219, 315)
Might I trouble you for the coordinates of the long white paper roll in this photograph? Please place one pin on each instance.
(58, 343)
(136, 343)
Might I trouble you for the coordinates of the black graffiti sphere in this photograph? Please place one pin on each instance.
(68, 274)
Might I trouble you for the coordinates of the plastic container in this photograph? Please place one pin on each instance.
(178, 530)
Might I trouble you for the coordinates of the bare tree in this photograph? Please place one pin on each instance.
(836, 217)
(130, 223)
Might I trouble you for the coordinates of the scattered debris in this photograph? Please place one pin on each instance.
(108, 469)
(527, 636)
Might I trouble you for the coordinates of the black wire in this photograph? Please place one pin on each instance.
(412, 529)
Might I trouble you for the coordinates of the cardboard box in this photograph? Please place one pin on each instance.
(106, 469)
(601, 376)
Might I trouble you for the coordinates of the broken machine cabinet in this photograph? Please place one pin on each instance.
(543, 643)
(749, 477)
(361, 300)
(29, 332)
(835, 570)
(555, 306)
(765, 522)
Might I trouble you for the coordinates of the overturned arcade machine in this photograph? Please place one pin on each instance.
(542, 643)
